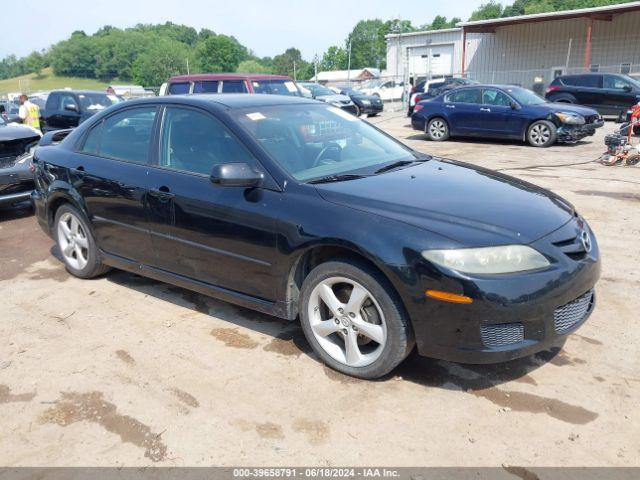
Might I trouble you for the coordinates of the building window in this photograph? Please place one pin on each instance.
(625, 68)
(594, 67)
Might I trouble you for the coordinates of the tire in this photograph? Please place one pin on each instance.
(564, 99)
(339, 342)
(358, 111)
(437, 130)
(77, 246)
(370, 115)
(542, 134)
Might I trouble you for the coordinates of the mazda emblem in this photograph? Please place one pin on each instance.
(586, 241)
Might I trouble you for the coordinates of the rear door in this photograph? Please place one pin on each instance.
(222, 236)
(462, 109)
(111, 173)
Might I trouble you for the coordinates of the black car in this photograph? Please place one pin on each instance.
(609, 93)
(17, 143)
(69, 108)
(298, 209)
(370, 105)
(432, 88)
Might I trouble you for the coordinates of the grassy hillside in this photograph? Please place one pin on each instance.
(47, 81)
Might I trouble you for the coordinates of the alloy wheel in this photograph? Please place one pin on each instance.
(437, 129)
(73, 241)
(347, 321)
(540, 134)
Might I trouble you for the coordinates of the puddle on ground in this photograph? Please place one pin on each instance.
(125, 357)
(521, 472)
(7, 397)
(270, 430)
(527, 402)
(614, 195)
(91, 407)
(185, 397)
(233, 338)
(316, 432)
(291, 343)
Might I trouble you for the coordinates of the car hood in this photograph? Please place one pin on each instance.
(470, 205)
(333, 98)
(17, 132)
(566, 107)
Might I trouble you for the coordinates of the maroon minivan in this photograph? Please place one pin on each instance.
(231, 83)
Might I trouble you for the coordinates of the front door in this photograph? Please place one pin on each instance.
(462, 109)
(111, 173)
(619, 94)
(222, 236)
(498, 118)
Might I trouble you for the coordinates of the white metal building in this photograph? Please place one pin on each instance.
(529, 50)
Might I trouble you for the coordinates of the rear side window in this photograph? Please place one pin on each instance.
(471, 95)
(209, 86)
(234, 86)
(123, 136)
(179, 88)
(615, 83)
(589, 81)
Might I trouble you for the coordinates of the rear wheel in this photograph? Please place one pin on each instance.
(437, 130)
(76, 243)
(352, 319)
(542, 134)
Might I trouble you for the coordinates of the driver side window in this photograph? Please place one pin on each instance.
(194, 142)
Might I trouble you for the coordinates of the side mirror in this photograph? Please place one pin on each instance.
(514, 106)
(71, 107)
(236, 175)
(627, 88)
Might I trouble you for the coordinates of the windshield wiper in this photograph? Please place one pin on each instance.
(338, 178)
(394, 165)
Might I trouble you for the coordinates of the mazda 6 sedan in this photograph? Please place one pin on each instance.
(297, 209)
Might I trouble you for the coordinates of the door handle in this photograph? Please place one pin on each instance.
(485, 109)
(451, 106)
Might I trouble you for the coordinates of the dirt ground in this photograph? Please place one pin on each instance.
(123, 370)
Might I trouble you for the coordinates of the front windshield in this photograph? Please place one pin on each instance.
(97, 101)
(315, 141)
(524, 96)
(276, 87)
(318, 90)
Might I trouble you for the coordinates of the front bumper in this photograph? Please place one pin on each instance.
(372, 108)
(16, 184)
(511, 316)
(573, 133)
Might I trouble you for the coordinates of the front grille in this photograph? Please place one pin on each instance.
(501, 335)
(569, 315)
(6, 162)
(572, 247)
(589, 119)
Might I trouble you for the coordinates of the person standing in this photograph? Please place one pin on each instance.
(29, 112)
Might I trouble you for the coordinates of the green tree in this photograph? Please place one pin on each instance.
(220, 54)
(487, 11)
(251, 66)
(335, 58)
(34, 62)
(287, 62)
(163, 59)
(368, 44)
(75, 57)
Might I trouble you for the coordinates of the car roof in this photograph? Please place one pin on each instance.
(226, 100)
(64, 90)
(227, 76)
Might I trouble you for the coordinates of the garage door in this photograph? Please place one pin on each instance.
(436, 60)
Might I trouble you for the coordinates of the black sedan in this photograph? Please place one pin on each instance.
(369, 105)
(17, 143)
(298, 209)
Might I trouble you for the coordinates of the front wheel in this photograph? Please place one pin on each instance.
(76, 243)
(542, 134)
(437, 130)
(352, 319)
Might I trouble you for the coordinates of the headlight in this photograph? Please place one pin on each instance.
(488, 260)
(570, 118)
(366, 102)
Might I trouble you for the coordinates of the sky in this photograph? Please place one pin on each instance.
(266, 27)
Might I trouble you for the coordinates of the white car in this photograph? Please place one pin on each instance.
(389, 90)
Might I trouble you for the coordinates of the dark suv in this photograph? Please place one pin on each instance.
(69, 108)
(609, 93)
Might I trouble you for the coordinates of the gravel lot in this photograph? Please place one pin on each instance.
(123, 370)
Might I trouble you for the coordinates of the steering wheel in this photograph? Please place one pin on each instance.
(332, 147)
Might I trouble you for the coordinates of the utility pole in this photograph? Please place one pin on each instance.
(349, 65)
(315, 67)
(188, 66)
(294, 71)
